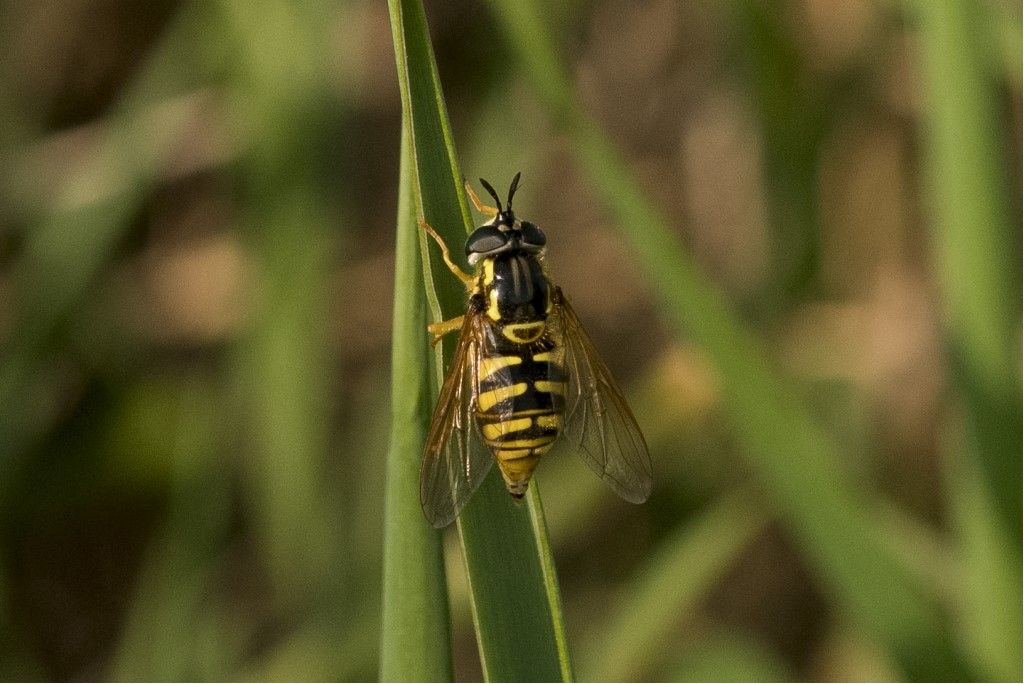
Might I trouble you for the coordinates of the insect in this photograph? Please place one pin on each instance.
(524, 372)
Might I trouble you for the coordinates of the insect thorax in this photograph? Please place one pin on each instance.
(517, 295)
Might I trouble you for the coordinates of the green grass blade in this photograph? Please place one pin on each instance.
(547, 564)
(415, 644)
(798, 463)
(515, 621)
(671, 584)
(967, 190)
(278, 97)
(513, 598)
(977, 263)
(988, 598)
(792, 123)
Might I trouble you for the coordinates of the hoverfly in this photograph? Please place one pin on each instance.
(523, 373)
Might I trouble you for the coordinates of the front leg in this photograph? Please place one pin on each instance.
(484, 209)
(466, 278)
(442, 328)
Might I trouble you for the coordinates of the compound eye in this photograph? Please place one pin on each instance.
(485, 239)
(532, 235)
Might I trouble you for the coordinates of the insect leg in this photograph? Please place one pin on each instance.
(467, 279)
(442, 328)
(485, 209)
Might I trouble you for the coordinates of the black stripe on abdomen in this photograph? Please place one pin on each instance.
(520, 432)
(520, 402)
(524, 386)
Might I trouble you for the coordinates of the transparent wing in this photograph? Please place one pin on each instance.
(598, 422)
(455, 461)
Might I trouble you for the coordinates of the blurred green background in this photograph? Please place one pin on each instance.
(197, 213)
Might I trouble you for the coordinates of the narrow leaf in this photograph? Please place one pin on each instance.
(415, 643)
(977, 258)
(514, 603)
(967, 190)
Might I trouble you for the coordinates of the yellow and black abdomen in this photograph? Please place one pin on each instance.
(521, 382)
(519, 408)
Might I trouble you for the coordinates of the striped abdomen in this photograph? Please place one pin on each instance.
(520, 406)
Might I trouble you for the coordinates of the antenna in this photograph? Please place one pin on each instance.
(512, 191)
(493, 194)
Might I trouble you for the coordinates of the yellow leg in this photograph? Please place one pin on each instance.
(466, 279)
(442, 328)
(485, 209)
